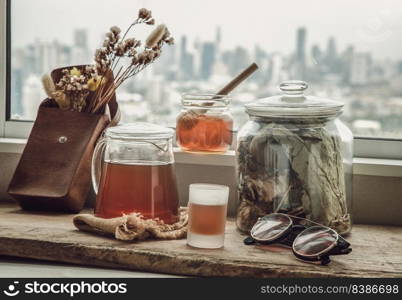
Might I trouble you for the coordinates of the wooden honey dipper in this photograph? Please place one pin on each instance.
(189, 119)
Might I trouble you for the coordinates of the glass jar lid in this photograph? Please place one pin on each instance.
(139, 131)
(202, 100)
(294, 104)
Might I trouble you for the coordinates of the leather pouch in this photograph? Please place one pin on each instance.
(53, 173)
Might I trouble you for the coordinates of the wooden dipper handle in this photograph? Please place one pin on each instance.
(238, 79)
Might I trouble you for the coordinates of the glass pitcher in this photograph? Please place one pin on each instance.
(133, 171)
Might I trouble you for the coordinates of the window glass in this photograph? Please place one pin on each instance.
(346, 50)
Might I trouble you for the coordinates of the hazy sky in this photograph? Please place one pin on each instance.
(374, 25)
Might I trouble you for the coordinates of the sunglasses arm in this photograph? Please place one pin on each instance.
(325, 260)
(249, 241)
(340, 251)
(342, 248)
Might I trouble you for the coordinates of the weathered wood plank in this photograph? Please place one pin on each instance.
(377, 251)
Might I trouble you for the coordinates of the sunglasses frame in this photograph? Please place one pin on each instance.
(318, 256)
(322, 256)
(277, 237)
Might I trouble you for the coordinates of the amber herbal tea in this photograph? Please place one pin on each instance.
(207, 219)
(207, 215)
(148, 189)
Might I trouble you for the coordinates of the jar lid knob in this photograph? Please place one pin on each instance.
(293, 86)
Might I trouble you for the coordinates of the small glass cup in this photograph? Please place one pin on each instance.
(207, 215)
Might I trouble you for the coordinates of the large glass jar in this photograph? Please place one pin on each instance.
(205, 123)
(295, 156)
(133, 171)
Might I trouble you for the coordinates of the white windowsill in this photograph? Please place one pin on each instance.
(12, 145)
(361, 166)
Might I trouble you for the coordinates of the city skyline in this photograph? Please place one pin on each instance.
(303, 54)
(377, 28)
(370, 87)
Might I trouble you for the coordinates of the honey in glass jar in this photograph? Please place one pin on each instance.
(205, 123)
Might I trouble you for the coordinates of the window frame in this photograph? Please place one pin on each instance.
(9, 128)
(382, 148)
(3, 69)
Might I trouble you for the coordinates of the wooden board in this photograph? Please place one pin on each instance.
(377, 251)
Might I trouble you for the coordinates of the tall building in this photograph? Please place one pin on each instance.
(50, 56)
(17, 80)
(186, 61)
(331, 56)
(32, 95)
(81, 38)
(359, 72)
(80, 51)
(300, 55)
(276, 65)
(183, 49)
(35, 57)
(64, 56)
(241, 59)
(218, 41)
(219, 70)
(316, 64)
(154, 94)
(316, 54)
(16, 91)
(208, 56)
(168, 65)
(259, 54)
(346, 63)
(261, 58)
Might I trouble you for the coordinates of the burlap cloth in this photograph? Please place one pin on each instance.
(134, 226)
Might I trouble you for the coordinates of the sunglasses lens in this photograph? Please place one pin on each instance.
(270, 227)
(314, 241)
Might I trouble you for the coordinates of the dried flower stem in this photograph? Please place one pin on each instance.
(77, 83)
(127, 73)
(114, 48)
(124, 36)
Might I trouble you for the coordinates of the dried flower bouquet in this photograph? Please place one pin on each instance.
(118, 59)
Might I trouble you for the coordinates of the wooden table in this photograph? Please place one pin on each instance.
(377, 251)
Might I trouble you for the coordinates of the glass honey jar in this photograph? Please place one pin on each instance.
(205, 123)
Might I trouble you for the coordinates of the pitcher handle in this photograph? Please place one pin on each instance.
(97, 163)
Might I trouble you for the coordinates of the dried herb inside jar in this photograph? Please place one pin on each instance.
(294, 168)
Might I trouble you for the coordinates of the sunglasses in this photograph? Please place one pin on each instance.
(314, 244)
